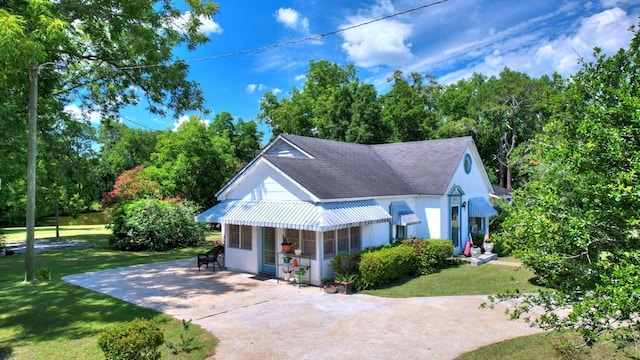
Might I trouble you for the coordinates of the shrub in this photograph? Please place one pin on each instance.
(385, 266)
(430, 255)
(346, 263)
(137, 339)
(153, 224)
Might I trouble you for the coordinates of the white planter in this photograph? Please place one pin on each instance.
(475, 252)
(298, 252)
(488, 248)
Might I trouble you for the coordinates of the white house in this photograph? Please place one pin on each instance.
(328, 197)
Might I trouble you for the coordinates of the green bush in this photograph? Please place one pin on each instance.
(346, 263)
(430, 255)
(138, 339)
(385, 266)
(153, 224)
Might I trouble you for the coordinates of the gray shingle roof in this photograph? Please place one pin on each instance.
(344, 170)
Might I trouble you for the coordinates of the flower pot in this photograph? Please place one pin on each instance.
(345, 288)
(286, 248)
(475, 251)
(331, 289)
(294, 262)
(287, 275)
(298, 252)
(488, 248)
(299, 277)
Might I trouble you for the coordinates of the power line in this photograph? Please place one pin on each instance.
(292, 42)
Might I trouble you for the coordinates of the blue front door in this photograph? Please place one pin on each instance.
(268, 258)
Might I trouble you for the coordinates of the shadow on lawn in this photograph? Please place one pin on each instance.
(43, 311)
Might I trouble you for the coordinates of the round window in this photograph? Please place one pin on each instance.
(467, 163)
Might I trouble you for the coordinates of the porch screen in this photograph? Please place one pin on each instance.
(329, 244)
(308, 239)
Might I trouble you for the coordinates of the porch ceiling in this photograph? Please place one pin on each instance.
(296, 214)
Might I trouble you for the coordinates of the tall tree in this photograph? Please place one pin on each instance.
(192, 162)
(333, 104)
(102, 53)
(122, 148)
(577, 221)
(510, 110)
(405, 108)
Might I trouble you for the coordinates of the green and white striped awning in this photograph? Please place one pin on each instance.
(296, 214)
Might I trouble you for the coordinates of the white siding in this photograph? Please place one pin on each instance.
(265, 183)
(283, 149)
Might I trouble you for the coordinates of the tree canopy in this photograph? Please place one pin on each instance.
(576, 222)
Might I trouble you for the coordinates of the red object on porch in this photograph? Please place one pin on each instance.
(467, 249)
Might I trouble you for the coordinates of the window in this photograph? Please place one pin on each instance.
(476, 224)
(308, 240)
(234, 236)
(293, 237)
(329, 244)
(355, 238)
(343, 240)
(239, 236)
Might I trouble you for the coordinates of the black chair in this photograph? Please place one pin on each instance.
(211, 257)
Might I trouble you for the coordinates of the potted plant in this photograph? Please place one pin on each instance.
(297, 251)
(299, 274)
(286, 259)
(286, 245)
(488, 244)
(345, 282)
(287, 274)
(329, 286)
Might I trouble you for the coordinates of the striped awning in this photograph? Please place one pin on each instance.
(401, 214)
(296, 214)
(480, 207)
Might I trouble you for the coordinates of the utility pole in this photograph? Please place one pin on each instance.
(34, 69)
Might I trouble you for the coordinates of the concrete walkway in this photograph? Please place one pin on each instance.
(262, 319)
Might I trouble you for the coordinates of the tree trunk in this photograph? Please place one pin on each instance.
(57, 221)
(31, 172)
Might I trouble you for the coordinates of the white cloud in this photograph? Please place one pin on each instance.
(531, 46)
(276, 91)
(78, 114)
(292, 19)
(607, 30)
(208, 26)
(251, 88)
(383, 42)
(301, 77)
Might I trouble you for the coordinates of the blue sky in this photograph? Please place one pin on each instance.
(450, 40)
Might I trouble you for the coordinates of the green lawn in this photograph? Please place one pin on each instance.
(462, 280)
(55, 320)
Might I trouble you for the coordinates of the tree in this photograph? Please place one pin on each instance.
(405, 108)
(122, 148)
(192, 162)
(101, 53)
(577, 221)
(509, 110)
(333, 104)
(244, 136)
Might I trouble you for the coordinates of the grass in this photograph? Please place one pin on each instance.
(462, 280)
(51, 319)
(548, 346)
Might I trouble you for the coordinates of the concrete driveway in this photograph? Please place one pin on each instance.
(260, 319)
